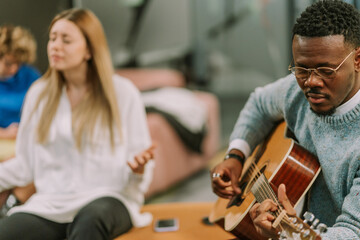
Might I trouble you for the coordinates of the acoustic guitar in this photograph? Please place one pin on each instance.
(277, 160)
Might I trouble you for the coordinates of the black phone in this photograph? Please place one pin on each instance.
(166, 225)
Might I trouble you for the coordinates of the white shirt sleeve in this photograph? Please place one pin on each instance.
(138, 139)
(240, 145)
(18, 170)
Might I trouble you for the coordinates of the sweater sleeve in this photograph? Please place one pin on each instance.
(347, 225)
(264, 108)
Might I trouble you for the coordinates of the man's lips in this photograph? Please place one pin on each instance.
(316, 97)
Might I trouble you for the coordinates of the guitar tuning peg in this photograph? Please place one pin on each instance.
(293, 220)
(305, 233)
(308, 217)
(315, 223)
(282, 235)
(322, 228)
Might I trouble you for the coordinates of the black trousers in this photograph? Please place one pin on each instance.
(104, 218)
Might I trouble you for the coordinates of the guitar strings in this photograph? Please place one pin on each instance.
(265, 187)
(265, 190)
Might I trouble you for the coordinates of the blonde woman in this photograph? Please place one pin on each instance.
(17, 52)
(78, 138)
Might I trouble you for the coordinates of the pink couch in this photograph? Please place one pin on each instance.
(174, 162)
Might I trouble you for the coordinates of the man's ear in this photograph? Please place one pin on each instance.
(357, 60)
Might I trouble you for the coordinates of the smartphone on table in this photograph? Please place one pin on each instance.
(166, 225)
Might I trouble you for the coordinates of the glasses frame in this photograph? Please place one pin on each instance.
(315, 70)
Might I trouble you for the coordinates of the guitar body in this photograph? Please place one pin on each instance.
(281, 161)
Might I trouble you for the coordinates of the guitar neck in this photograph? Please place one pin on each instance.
(290, 227)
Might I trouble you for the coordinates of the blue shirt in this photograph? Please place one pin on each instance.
(12, 93)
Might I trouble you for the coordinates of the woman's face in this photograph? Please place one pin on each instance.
(67, 47)
(8, 66)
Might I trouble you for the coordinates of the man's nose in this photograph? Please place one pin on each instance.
(314, 80)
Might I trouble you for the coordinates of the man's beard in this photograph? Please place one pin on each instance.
(331, 111)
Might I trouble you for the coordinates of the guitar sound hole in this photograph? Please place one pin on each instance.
(245, 186)
(236, 200)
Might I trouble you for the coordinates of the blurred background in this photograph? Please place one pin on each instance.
(225, 47)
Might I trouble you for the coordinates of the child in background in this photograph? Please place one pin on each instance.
(17, 51)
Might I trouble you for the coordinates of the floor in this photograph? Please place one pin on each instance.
(232, 97)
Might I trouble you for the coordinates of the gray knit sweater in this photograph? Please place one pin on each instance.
(335, 140)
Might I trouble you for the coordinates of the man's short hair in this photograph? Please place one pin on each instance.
(330, 17)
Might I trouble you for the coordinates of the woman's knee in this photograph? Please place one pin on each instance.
(96, 211)
(105, 216)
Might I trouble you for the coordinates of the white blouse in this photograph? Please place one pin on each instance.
(66, 179)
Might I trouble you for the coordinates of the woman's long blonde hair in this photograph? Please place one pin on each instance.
(100, 103)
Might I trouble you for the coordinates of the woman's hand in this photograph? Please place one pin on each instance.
(10, 132)
(138, 165)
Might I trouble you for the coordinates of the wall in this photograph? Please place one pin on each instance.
(259, 41)
(35, 15)
(165, 26)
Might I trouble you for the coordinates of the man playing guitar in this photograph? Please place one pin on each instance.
(320, 103)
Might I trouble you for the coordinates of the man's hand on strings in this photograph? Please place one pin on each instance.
(263, 215)
(225, 177)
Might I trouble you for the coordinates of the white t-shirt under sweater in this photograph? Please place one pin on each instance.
(67, 179)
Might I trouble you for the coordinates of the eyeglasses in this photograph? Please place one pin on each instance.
(325, 73)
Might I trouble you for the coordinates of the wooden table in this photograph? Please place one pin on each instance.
(191, 227)
(7, 149)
